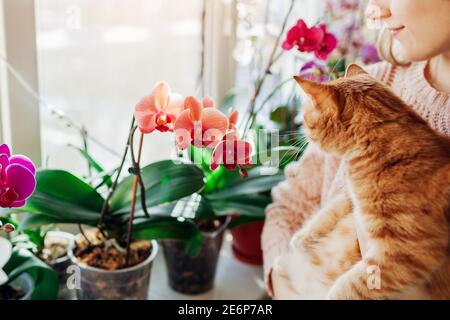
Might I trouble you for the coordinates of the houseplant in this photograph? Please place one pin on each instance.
(226, 191)
(23, 276)
(117, 253)
(60, 197)
(51, 247)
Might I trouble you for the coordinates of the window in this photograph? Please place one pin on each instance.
(96, 60)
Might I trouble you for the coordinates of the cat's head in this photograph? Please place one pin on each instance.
(343, 111)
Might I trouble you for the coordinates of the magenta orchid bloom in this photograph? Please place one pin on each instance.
(315, 39)
(159, 110)
(17, 178)
(200, 124)
(328, 44)
(306, 39)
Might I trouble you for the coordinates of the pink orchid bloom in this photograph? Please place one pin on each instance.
(158, 110)
(232, 153)
(306, 39)
(17, 178)
(200, 124)
(315, 39)
(328, 44)
(232, 120)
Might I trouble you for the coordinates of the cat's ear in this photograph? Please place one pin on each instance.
(310, 87)
(354, 70)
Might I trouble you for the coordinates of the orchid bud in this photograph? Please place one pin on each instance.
(8, 227)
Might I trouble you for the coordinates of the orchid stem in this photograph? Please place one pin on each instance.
(136, 179)
(105, 207)
(260, 82)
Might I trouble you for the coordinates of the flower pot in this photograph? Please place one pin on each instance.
(55, 254)
(61, 262)
(194, 275)
(20, 289)
(123, 284)
(246, 243)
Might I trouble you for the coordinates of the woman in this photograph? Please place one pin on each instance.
(421, 32)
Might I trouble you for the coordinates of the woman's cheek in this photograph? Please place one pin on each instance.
(418, 41)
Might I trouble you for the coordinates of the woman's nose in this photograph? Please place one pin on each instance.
(378, 9)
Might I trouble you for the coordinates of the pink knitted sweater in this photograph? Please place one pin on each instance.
(312, 181)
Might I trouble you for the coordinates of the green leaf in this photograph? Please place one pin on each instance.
(60, 197)
(164, 181)
(57, 211)
(7, 219)
(201, 157)
(34, 220)
(194, 207)
(65, 187)
(45, 279)
(251, 205)
(281, 115)
(256, 182)
(158, 228)
(220, 179)
(94, 165)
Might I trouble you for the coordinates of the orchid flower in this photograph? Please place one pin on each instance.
(314, 71)
(200, 124)
(328, 44)
(159, 110)
(232, 153)
(306, 39)
(5, 254)
(315, 39)
(17, 178)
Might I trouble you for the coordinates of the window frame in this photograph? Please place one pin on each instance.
(19, 110)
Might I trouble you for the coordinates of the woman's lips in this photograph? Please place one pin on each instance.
(396, 30)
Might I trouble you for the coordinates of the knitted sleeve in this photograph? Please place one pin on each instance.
(293, 201)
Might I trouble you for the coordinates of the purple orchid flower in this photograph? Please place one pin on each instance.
(314, 71)
(17, 178)
(369, 54)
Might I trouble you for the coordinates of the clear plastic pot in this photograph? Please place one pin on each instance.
(124, 284)
(194, 275)
(21, 288)
(60, 264)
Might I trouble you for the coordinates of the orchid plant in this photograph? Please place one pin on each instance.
(140, 206)
(17, 184)
(214, 144)
(17, 178)
(322, 51)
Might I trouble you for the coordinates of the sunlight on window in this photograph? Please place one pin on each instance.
(96, 60)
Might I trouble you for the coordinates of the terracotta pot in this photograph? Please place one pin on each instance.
(247, 243)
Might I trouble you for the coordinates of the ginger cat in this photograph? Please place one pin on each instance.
(387, 235)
